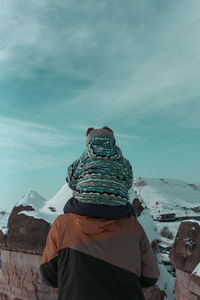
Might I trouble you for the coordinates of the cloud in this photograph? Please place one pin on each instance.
(127, 136)
(21, 134)
(27, 145)
(119, 59)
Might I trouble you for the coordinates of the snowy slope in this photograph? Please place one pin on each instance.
(163, 196)
(56, 204)
(169, 196)
(37, 202)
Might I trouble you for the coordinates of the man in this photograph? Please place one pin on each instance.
(97, 249)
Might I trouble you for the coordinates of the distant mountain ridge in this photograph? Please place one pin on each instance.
(158, 195)
(168, 195)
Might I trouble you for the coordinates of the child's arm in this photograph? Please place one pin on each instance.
(72, 175)
(129, 174)
(75, 171)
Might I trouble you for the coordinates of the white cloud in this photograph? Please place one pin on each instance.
(127, 136)
(29, 135)
(136, 65)
(27, 145)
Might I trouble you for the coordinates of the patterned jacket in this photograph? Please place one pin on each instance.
(95, 258)
(101, 175)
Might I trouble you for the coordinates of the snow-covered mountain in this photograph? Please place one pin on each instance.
(56, 204)
(36, 203)
(159, 196)
(169, 196)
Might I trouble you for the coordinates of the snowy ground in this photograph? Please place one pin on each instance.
(162, 196)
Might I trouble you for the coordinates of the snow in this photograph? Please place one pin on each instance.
(168, 196)
(4, 215)
(148, 224)
(58, 201)
(33, 199)
(44, 209)
(37, 202)
(166, 282)
(163, 196)
(197, 270)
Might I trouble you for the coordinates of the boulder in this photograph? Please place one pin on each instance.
(21, 279)
(2, 240)
(138, 207)
(153, 293)
(25, 233)
(185, 256)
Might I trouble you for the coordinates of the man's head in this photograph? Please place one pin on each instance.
(104, 131)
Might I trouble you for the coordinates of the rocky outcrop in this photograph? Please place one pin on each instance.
(21, 250)
(25, 233)
(20, 278)
(2, 240)
(138, 206)
(185, 256)
(153, 293)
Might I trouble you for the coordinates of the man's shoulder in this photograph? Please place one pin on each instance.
(63, 218)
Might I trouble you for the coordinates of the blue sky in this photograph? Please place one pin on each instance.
(68, 65)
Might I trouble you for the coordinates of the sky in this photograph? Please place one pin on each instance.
(66, 65)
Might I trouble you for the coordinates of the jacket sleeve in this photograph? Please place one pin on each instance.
(149, 266)
(75, 171)
(48, 263)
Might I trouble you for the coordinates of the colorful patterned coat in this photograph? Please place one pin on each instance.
(101, 175)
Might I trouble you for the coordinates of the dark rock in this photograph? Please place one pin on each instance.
(138, 207)
(185, 254)
(196, 209)
(25, 233)
(51, 208)
(153, 293)
(2, 239)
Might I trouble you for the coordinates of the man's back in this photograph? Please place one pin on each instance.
(89, 258)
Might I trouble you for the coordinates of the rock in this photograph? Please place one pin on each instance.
(187, 286)
(153, 293)
(196, 209)
(139, 182)
(138, 207)
(185, 256)
(25, 233)
(21, 279)
(2, 240)
(22, 247)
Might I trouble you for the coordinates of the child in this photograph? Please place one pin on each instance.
(100, 178)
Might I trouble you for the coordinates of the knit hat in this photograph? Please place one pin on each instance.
(104, 131)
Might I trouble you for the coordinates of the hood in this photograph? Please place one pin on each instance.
(103, 147)
(90, 225)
